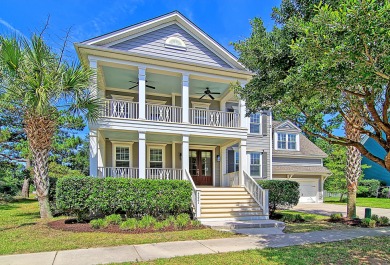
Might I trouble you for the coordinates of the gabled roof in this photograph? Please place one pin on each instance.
(285, 125)
(176, 17)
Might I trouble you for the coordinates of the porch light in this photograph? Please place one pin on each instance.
(180, 156)
(218, 158)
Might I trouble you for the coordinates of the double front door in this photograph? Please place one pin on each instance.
(201, 167)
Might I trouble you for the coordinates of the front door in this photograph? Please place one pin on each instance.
(201, 167)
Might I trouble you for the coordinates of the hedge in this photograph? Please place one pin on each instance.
(282, 193)
(368, 188)
(83, 196)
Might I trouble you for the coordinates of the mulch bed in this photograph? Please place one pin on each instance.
(69, 225)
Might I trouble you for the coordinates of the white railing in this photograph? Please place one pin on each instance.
(214, 118)
(118, 172)
(120, 109)
(164, 173)
(195, 194)
(259, 194)
(164, 113)
(232, 179)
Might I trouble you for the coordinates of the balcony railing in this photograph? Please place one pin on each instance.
(172, 114)
(164, 113)
(120, 109)
(214, 118)
(118, 172)
(164, 173)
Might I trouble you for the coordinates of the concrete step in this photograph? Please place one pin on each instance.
(226, 201)
(229, 205)
(254, 224)
(225, 197)
(228, 210)
(230, 214)
(235, 218)
(223, 193)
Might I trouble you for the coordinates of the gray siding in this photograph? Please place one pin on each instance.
(296, 161)
(152, 43)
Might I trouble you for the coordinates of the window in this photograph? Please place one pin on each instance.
(122, 156)
(175, 43)
(255, 123)
(287, 141)
(255, 164)
(236, 161)
(156, 158)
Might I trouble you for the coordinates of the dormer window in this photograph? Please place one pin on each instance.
(287, 141)
(175, 43)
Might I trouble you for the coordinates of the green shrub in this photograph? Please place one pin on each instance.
(368, 188)
(383, 220)
(336, 216)
(385, 192)
(135, 197)
(282, 193)
(292, 218)
(159, 225)
(167, 223)
(98, 223)
(368, 222)
(146, 221)
(129, 224)
(182, 220)
(115, 219)
(196, 223)
(375, 217)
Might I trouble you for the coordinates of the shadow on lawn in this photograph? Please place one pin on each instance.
(18, 226)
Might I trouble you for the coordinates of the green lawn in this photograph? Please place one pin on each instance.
(369, 250)
(314, 222)
(22, 231)
(364, 202)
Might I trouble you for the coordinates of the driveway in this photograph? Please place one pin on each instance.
(328, 209)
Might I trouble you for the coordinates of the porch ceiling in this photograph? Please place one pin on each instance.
(165, 84)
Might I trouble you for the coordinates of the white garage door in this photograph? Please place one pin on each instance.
(308, 191)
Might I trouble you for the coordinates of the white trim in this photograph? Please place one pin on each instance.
(260, 165)
(200, 105)
(297, 148)
(270, 146)
(155, 146)
(156, 102)
(122, 97)
(260, 124)
(294, 127)
(122, 144)
(182, 46)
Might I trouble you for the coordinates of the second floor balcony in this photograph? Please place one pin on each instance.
(123, 109)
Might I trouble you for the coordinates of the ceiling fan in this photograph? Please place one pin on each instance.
(137, 83)
(207, 92)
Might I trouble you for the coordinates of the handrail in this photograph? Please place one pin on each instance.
(233, 178)
(195, 194)
(164, 173)
(259, 194)
(118, 172)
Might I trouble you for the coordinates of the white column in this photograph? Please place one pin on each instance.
(223, 154)
(93, 153)
(142, 154)
(243, 160)
(141, 92)
(185, 98)
(93, 88)
(173, 155)
(242, 110)
(185, 153)
(101, 149)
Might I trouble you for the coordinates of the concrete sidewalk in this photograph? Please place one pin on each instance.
(328, 209)
(145, 252)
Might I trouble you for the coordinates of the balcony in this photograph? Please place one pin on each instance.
(169, 114)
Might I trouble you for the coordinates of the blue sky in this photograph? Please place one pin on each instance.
(224, 20)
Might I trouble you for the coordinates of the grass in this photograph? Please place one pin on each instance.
(369, 250)
(364, 202)
(313, 222)
(22, 231)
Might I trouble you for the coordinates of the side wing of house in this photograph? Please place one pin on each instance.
(375, 171)
(296, 158)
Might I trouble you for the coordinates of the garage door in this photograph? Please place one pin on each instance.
(308, 191)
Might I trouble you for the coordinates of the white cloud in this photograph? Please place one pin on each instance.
(10, 28)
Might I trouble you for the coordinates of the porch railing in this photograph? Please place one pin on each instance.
(164, 113)
(195, 194)
(120, 109)
(164, 173)
(233, 179)
(118, 172)
(214, 118)
(259, 194)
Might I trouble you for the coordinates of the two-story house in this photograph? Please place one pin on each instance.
(169, 114)
(296, 158)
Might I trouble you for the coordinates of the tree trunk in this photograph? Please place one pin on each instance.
(354, 159)
(26, 182)
(40, 131)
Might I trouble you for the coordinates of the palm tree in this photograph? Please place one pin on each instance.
(43, 85)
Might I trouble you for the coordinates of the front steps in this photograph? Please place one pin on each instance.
(228, 204)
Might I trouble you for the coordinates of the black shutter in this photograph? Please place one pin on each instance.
(230, 161)
(264, 165)
(264, 125)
